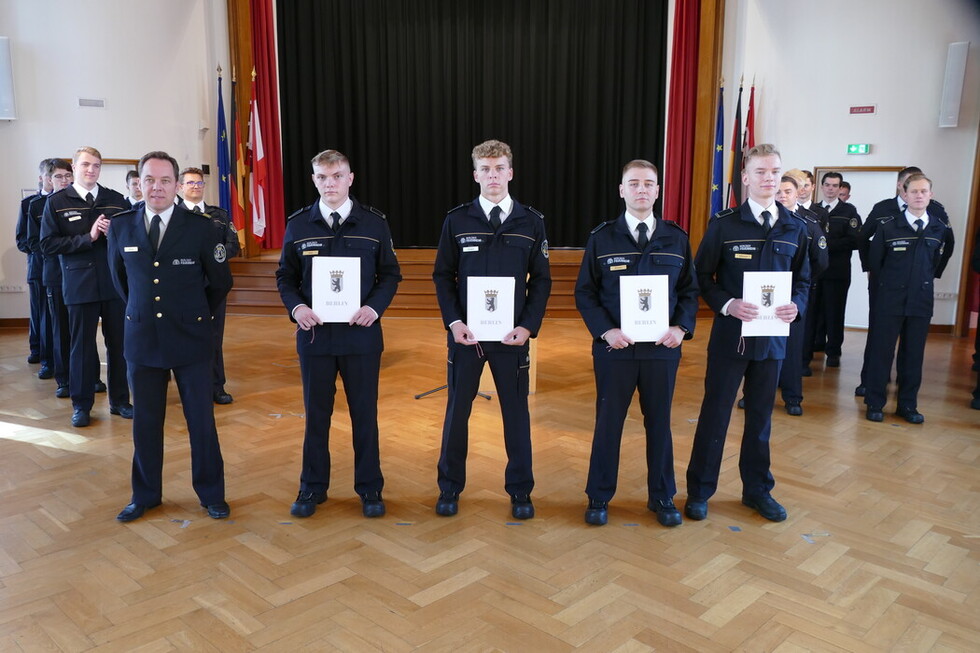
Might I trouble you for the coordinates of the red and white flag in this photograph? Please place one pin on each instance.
(256, 191)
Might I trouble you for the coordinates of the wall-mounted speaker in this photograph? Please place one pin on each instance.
(949, 107)
(8, 111)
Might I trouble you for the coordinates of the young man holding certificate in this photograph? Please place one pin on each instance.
(492, 280)
(758, 236)
(337, 274)
(638, 295)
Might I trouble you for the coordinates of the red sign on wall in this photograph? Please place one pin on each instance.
(871, 108)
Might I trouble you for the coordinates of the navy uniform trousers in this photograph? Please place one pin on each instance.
(510, 370)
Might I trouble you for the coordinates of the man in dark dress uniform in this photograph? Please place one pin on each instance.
(171, 270)
(191, 187)
(491, 236)
(34, 335)
(635, 243)
(760, 235)
(73, 227)
(338, 226)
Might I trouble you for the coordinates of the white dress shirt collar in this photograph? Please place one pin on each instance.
(506, 206)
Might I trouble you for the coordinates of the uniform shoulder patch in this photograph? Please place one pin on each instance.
(854, 223)
(601, 226)
(376, 212)
(726, 213)
(671, 223)
(297, 212)
(822, 242)
(220, 253)
(887, 218)
(536, 212)
(457, 208)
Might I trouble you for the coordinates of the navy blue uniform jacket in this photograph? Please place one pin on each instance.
(519, 249)
(884, 208)
(171, 297)
(364, 235)
(843, 237)
(65, 228)
(902, 264)
(735, 243)
(612, 253)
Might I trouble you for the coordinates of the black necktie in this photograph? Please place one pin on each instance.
(919, 224)
(766, 217)
(335, 220)
(904, 207)
(90, 200)
(154, 234)
(495, 217)
(642, 239)
(197, 209)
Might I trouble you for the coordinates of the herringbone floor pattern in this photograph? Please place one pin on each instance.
(880, 551)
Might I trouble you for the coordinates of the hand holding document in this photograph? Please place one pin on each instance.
(644, 301)
(490, 307)
(336, 288)
(767, 291)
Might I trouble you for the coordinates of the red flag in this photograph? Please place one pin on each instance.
(256, 195)
(749, 141)
(237, 166)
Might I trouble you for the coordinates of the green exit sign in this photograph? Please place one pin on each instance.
(859, 148)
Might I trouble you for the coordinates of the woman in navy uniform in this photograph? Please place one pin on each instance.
(492, 236)
(908, 251)
(172, 272)
(337, 225)
(637, 242)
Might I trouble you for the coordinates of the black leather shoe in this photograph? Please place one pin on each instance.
(794, 409)
(741, 403)
(80, 418)
(766, 506)
(448, 504)
(521, 506)
(975, 404)
(123, 410)
(806, 371)
(667, 512)
(875, 415)
(372, 505)
(223, 398)
(134, 511)
(34, 359)
(910, 415)
(597, 513)
(833, 361)
(306, 503)
(100, 386)
(62, 392)
(859, 391)
(219, 510)
(45, 372)
(696, 509)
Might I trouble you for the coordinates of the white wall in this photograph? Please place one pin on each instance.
(813, 60)
(155, 65)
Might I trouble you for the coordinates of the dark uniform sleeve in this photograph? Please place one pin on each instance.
(850, 237)
(387, 274)
(216, 269)
(117, 269)
(587, 290)
(876, 249)
(819, 257)
(445, 275)
(22, 226)
(52, 240)
(538, 282)
(289, 276)
(706, 265)
(686, 312)
(948, 244)
(801, 271)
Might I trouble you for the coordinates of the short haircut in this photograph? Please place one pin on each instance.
(44, 167)
(915, 177)
(329, 158)
(834, 175)
(190, 171)
(641, 163)
(845, 184)
(87, 150)
(760, 150)
(57, 164)
(493, 150)
(797, 175)
(809, 175)
(157, 154)
(789, 179)
(132, 174)
(911, 170)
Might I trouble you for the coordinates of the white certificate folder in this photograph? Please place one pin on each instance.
(644, 306)
(767, 290)
(336, 287)
(490, 307)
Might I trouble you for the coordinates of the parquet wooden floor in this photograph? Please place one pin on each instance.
(880, 551)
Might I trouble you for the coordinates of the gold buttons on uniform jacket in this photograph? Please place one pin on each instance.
(156, 299)
(156, 281)
(156, 264)
(159, 314)
(198, 318)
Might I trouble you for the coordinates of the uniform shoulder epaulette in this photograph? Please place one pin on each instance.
(601, 226)
(536, 212)
(727, 212)
(375, 211)
(939, 204)
(298, 212)
(675, 225)
(457, 208)
(886, 218)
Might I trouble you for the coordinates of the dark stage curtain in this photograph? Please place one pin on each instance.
(406, 88)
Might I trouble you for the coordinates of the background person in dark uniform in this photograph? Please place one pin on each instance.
(54, 316)
(636, 242)
(170, 268)
(191, 187)
(491, 236)
(336, 225)
(843, 237)
(908, 251)
(135, 195)
(74, 225)
(35, 299)
(845, 192)
(975, 264)
(736, 241)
